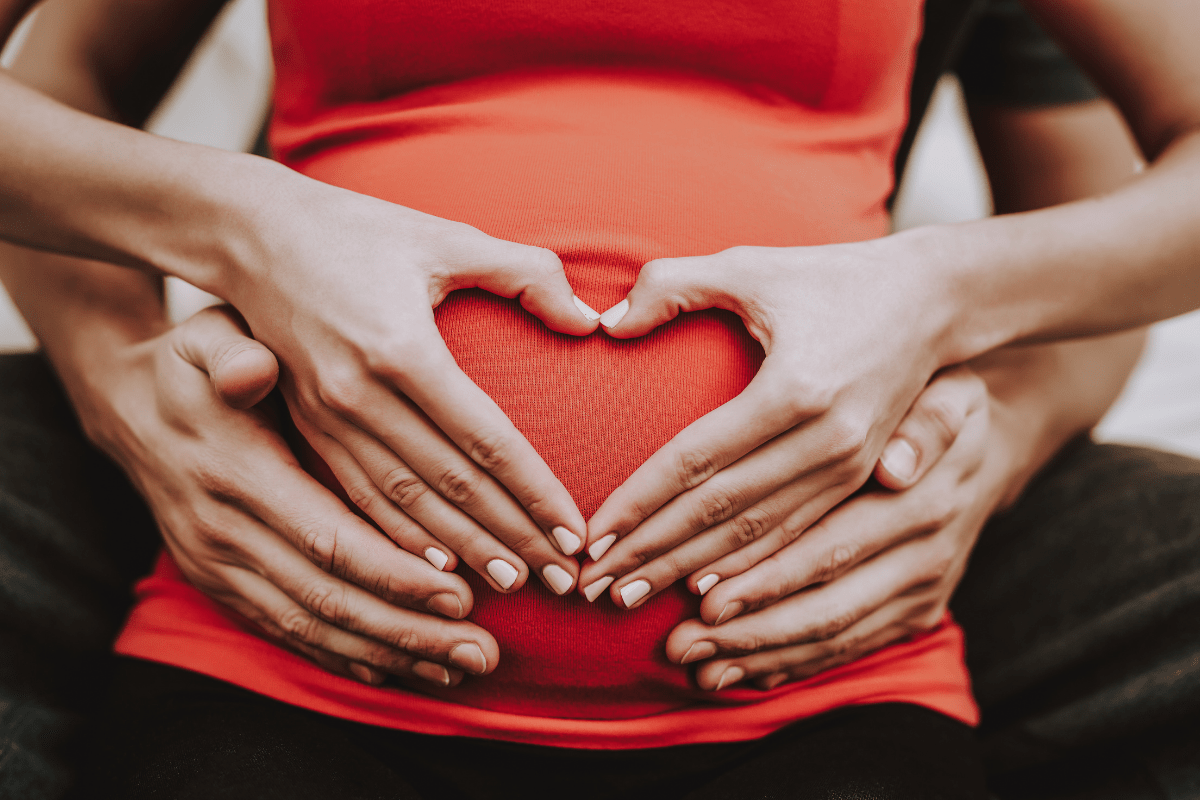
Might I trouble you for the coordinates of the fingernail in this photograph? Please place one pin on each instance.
(730, 677)
(502, 572)
(588, 312)
(730, 611)
(771, 681)
(559, 579)
(567, 542)
(698, 651)
(448, 605)
(469, 657)
(431, 672)
(615, 314)
(900, 459)
(707, 582)
(593, 591)
(436, 557)
(365, 674)
(632, 592)
(600, 546)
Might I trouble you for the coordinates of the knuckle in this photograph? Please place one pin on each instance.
(545, 262)
(404, 487)
(749, 526)
(836, 561)
(298, 625)
(326, 600)
(715, 505)
(805, 398)
(320, 545)
(409, 640)
(946, 416)
(490, 452)
(212, 474)
(657, 275)
(341, 392)
(694, 468)
(848, 436)
(459, 483)
(216, 535)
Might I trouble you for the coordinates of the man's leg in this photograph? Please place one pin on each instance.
(1082, 612)
(73, 536)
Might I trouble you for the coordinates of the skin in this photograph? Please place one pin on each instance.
(893, 311)
(365, 372)
(119, 218)
(883, 566)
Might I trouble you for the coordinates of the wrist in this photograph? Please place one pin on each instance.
(966, 289)
(225, 205)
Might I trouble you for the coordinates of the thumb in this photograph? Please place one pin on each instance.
(216, 342)
(930, 427)
(667, 286)
(536, 276)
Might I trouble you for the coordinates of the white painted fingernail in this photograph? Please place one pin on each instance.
(615, 314)
(632, 592)
(900, 459)
(431, 672)
(600, 546)
(568, 542)
(436, 557)
(502, 572)
(707, 582)
(593, 591)
(588, 312)
(559, 579)
(729, 677)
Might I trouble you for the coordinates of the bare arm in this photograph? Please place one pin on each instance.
(1115, 261)
(338, 285)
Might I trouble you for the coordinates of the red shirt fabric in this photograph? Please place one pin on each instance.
(613, 134)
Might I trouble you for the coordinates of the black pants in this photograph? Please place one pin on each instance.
(1081, 606)
(175, 734)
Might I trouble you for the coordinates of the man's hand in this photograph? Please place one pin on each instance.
(880, 567)
(250, 528)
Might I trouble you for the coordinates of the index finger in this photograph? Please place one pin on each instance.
(766, 408)
(474, 422)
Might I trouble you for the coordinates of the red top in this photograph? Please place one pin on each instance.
(613, 134)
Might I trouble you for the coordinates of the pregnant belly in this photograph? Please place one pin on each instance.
(595, 409)
(609, 171)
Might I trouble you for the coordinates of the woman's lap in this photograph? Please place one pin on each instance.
(169, 733)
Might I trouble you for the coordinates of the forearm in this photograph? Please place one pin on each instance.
(1119, 261)
(84, 314)
(1092, 266)
(79, 185)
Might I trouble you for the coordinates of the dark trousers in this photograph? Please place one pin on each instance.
(1081, 607)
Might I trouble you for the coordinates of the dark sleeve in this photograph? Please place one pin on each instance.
(1010, 60)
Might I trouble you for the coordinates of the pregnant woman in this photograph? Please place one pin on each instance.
(612, 139)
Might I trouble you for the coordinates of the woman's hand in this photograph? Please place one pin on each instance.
(251, 529)
(852, 335)
(880, 567)
(347, 307)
